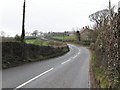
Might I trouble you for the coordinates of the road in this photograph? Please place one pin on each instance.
(68, 71)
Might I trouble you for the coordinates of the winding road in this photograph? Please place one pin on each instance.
(68, 71)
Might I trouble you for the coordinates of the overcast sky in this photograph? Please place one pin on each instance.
(48, 15)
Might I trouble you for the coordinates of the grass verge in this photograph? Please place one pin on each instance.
(99, 73)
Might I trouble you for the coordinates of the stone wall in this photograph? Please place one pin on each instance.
(16, 53)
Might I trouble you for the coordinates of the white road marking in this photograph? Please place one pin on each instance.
(75, 56)
(78, 53)
(66, 61)
(33, 79)
(43, 73)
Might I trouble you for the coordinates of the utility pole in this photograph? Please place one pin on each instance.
(23, 24)
(118, 23)
(119, 7)
(109, 5)
(110, 12)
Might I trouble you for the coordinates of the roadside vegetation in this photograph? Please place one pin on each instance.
(105, 52)
(99, 78)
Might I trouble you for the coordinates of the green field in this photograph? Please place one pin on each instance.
(64, 37)
(37, 42)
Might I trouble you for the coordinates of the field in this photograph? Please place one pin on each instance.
(64, 37)
(37, 42)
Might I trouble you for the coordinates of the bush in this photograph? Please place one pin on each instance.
(17, 38)
(92, 46)
(86, 43)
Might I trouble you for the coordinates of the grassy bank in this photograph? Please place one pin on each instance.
(100, 75)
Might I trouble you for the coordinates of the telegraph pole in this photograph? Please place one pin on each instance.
(118, 23)
(23, 24)
(110, 12)
(109, 5)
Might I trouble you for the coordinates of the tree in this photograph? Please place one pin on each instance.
(27, 33)
(2, 33)
(17, 37)
(35, 33)
(40, 33)
(100, 17)
(78, 36)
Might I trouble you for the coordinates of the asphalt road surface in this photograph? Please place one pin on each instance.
(68, 71)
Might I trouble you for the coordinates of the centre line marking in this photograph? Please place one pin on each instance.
(66, 61)
(33, 79)
(75, 56)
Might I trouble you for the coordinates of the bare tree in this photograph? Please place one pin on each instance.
(17, 37)
(35, 33)
(78, 36)
(2, 33)
(102, 17)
